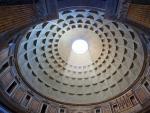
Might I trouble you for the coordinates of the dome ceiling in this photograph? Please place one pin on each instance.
(112, 63)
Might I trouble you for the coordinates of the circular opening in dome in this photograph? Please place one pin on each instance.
(79, 46)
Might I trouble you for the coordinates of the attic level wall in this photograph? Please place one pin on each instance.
(12, 17)
(139, 14)
(16, 16)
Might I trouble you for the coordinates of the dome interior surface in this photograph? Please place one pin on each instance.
(112, 63)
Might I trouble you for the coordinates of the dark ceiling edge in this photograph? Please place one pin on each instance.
(16, 2)
(80, 7)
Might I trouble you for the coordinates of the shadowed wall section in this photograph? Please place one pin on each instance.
(15, 16)
(139, 14)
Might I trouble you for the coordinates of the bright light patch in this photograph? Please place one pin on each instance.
(79, 46)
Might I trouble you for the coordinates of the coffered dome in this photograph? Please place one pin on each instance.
(112, 63)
